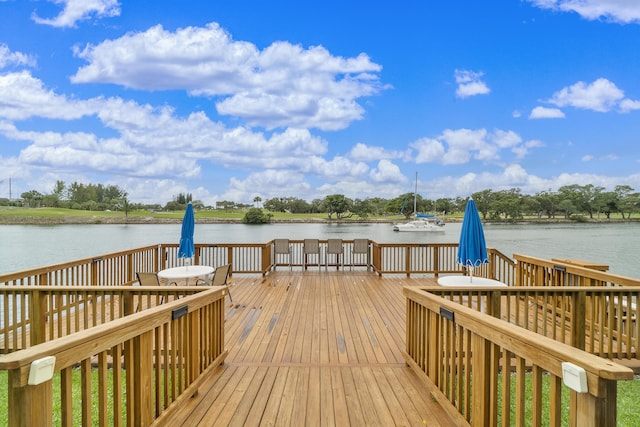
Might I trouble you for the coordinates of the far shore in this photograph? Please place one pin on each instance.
(138, 219)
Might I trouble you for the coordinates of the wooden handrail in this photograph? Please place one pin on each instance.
(532, 271)
(603, 321)
(36, 314)
(452, 344)
(166, 350)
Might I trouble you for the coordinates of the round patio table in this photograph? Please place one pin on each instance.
(185, 272)
(468, 281)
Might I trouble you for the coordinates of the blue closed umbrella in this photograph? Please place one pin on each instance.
(472, 249)
(186, 249)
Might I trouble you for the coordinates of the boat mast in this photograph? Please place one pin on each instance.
(415, 197)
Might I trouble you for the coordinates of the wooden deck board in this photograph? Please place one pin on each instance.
(314, 348)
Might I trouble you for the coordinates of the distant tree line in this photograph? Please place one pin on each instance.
(92, 197)
(568, 202)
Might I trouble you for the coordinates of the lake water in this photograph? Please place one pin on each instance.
(28, 246)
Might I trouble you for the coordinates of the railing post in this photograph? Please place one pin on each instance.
(480, 368)
(578, 323)
(230, 257)
(127, 303)
(38, 305)
(43, 280)
(29, 405)
(196, 255)
(595, 411)
(195, 351)
(143, 373)
(493, 264)
(407, 261)
(519, 279)
(157, 261)
(377, 258)
(494, 304)
(94, 271)
(436, 261)
(266, 258)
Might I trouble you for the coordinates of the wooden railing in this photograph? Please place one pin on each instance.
(435, 259)
(146, 362)
(37, 314)
(531, 271)
(119, 268)
(104, 270)
(603, 321)
(464, 353)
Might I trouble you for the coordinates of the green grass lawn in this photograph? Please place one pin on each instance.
(42, 214)
(628, 409)
(77, 410)
(55, 215)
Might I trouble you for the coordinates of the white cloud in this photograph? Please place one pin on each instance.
(387, 172)
(546, 113)
(8, 58)
(620, 11)
(460, 146)
(506, 139)
(79, 10)
(465, 144)
(428, 150)
(470, 84)
(150, 142)
(606, 157)
(268, 183)
(283, 85)
(627, 105)
(516, 176)
(24, 96)
(601, 95)
(521, 151)
(367, 153)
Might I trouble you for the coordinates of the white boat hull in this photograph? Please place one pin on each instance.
(419, 225)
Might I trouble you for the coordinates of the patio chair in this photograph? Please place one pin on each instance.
(281, 248)
(220, 278)
(334, 247)
(150, 279)
(311, 247)
(360, 247)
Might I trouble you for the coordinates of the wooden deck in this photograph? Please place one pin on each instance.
(315, 348)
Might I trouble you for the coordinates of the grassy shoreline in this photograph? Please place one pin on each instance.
(54, 216)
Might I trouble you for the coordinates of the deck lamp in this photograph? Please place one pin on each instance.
(574, 377)
(41, 370)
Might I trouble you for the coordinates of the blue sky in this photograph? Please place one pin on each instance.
(233, 100)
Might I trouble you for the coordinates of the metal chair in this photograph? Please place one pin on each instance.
(360, 247)
(281, 248)
(334, 247)
(220, 278)
(311, 247)
(150, 279)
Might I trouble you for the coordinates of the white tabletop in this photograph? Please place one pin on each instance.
(185, 272)
(468, 281)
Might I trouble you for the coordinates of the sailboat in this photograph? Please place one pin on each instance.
(421, 221)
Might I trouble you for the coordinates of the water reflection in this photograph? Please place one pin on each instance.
(27, 246)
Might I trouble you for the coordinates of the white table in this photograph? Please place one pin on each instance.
(467, 281)
(461, 281)
(185, 272)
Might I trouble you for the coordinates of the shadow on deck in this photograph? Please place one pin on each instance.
(314, 348)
